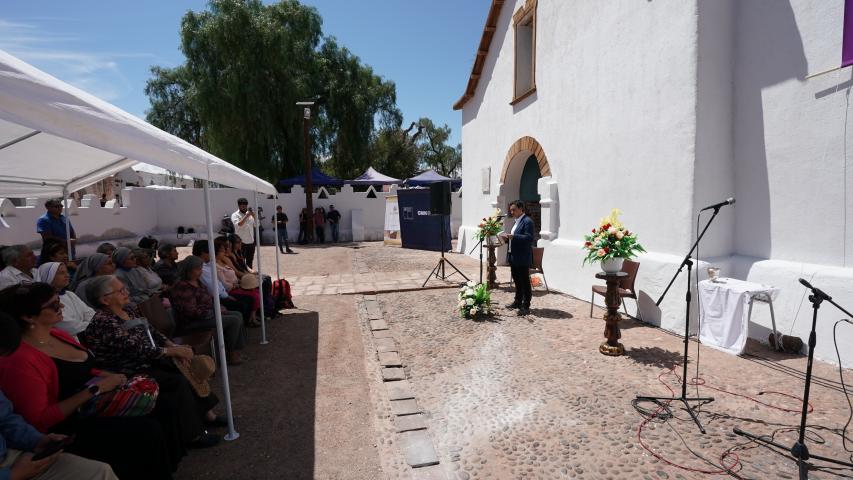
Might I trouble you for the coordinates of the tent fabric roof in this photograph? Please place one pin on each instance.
(53, 135)
(431, 176)
(318, 178)
(372, 177)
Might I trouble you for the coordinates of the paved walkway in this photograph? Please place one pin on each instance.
(347, 379)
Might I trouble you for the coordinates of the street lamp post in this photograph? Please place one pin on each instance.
(309, 187)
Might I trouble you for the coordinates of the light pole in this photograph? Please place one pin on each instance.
(309, 187)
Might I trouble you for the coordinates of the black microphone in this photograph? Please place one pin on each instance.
(818, 292)
(728, 201)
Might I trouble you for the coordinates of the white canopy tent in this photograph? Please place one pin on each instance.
(55, 138)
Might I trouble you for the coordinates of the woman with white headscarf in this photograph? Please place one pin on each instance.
(76, 315)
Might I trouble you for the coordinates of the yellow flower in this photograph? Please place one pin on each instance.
(613, 218)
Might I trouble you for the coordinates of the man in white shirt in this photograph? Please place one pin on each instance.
(244, 226)
(20, 266)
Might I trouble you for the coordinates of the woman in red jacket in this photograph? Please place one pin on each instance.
(46, 378)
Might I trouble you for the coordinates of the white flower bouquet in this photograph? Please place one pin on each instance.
(475, 300)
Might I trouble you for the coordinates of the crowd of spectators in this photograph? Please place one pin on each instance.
(77, 340)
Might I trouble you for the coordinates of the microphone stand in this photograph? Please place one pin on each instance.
(799, 450)
(479, 244)
(687, 262)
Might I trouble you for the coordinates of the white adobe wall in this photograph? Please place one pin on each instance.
(661, 108)
(790, 177)
(614, 112)
(160, 212)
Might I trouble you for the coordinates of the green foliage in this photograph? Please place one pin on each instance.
(247, 64)
(435, 152)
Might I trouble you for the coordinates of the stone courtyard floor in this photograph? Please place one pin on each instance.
(372, 374)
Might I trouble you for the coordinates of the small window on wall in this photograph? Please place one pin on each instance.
(524, 22)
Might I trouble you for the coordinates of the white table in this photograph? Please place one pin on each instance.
(725, 309)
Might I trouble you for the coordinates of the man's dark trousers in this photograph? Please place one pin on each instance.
(521, 279)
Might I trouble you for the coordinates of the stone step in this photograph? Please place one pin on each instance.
(417, 448)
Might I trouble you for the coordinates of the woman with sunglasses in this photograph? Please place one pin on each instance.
(46, 380)
(123, 341)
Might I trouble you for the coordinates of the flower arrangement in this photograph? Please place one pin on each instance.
(474, 300)
(491, 226)
(610, 240)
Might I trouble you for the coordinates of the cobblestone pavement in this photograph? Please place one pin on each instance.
(531, 397)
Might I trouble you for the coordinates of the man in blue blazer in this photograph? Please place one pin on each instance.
(520, 256)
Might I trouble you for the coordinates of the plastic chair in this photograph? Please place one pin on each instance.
(626, 286)
(538, 253)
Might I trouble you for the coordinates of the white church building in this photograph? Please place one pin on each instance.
(660, 108)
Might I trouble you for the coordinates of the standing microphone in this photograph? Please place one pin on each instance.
(818, 292)
(728, 201)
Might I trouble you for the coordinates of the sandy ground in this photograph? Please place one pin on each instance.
(511, 397)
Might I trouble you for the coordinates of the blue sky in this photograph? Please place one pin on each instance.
(107, 47)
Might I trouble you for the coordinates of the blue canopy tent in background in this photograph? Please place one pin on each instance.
(318, 179)
(372, 177)
(431, 176)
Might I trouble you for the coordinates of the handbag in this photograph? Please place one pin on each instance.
(135, 398)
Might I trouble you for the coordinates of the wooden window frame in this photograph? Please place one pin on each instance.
(528, 11)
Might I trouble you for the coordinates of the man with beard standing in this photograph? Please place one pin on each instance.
(520, 256)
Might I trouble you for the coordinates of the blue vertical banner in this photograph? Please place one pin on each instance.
(418, 228)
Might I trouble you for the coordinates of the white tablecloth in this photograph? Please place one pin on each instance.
(724, 306)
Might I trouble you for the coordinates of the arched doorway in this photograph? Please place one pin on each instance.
(524, 165)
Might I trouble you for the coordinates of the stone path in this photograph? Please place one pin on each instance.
(512, 397)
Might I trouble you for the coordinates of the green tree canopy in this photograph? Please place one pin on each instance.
(247, 64)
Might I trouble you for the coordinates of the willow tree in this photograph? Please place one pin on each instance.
(247, 64)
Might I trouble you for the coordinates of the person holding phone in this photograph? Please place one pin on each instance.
(244, 226)
(26, 453)
(48, 376)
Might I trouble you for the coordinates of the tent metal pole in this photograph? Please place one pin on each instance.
(217, 311)
(260, 275)
(277, 245)
(67, 222)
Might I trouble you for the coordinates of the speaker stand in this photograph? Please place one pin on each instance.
(439, 271)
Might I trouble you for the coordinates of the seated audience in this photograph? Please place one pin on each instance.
(20, 266)
(193, 308)
(140, 280)
(238, 304)
(92, 266)
(19, 440)
(50, 376)
(122, 341)
(234, 256)
(76, 315)
(106, 248)
(167, 267)
(232, 282)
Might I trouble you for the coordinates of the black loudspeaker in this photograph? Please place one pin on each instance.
(439, 198)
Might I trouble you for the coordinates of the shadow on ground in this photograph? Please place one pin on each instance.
(274, 391)
(653, 356)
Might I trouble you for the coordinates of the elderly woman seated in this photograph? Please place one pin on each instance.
(167, 267)
(76, 315)
(92, 266)
(133, 269)
(49, 377)
(122, 341)
(234, 284)
(192, 305)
